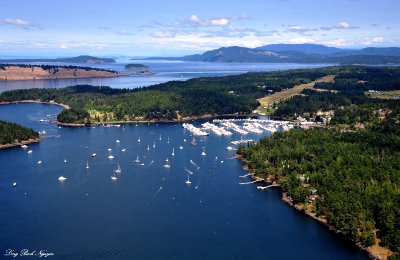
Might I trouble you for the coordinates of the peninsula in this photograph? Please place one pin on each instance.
(40, 72)
(12, 134)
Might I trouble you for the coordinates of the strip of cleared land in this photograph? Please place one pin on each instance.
(268, 101)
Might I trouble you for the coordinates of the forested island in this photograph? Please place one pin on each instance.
(345, 175)
(136, 66)
(12, 134)
(40, 72)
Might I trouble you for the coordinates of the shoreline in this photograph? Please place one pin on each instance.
(25, 142)
(371, 251)
(38, 102)
(150, 121)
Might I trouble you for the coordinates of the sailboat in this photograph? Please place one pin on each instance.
(87, 165)
(154, 145)
(123, 149)
(168, 141)
(167, 165)
(173, 151)
(194, 142)
(110, 157)
(113, 177)
(118, 170)
(203, 153)
(24, 146)
(181, 147)
(148, 147)
(138, 140)
(188, 180)
(159, 138)
(65, 161)
(137, 161)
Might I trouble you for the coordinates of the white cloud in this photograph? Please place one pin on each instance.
(163, 34)
(301, 30)
(345, 25)
(220, 21)
(123, 32)
(194, 18)
(301, 40)
(337, 42)
(63, 46)
(19, 23)
(372, 41)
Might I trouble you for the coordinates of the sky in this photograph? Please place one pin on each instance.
(178, 27)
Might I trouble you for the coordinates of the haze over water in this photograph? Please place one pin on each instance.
(149, 211)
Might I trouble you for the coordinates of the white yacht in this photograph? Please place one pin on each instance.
(65, 161)
(123, 149)
(113, 177)
(14, 184)
(39, 162)
(30, 152)
(117, 141)
(167, 164)
(110, 157)
(24, 146)
(87, 165)
(62, 178)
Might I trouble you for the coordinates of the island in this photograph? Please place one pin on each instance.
(12, 134)
(79, 59)
(344, 174)
(40, 72)
(136, 66)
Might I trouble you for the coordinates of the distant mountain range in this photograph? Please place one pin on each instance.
(79, 59)
(297, 53)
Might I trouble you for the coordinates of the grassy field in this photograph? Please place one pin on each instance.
(268, 101)
(390, 94)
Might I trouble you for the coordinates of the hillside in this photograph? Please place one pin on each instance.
(32, 72)
(297, 53)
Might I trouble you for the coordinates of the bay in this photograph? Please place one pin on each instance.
(149, 212)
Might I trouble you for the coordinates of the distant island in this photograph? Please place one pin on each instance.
(12, 134)
(79, 59)
(40, 72)
(136, 66)
(297, 53)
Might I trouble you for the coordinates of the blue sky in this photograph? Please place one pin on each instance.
(173, 27)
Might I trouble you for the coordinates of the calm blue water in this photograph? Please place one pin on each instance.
(149, 212)
(165, 71)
